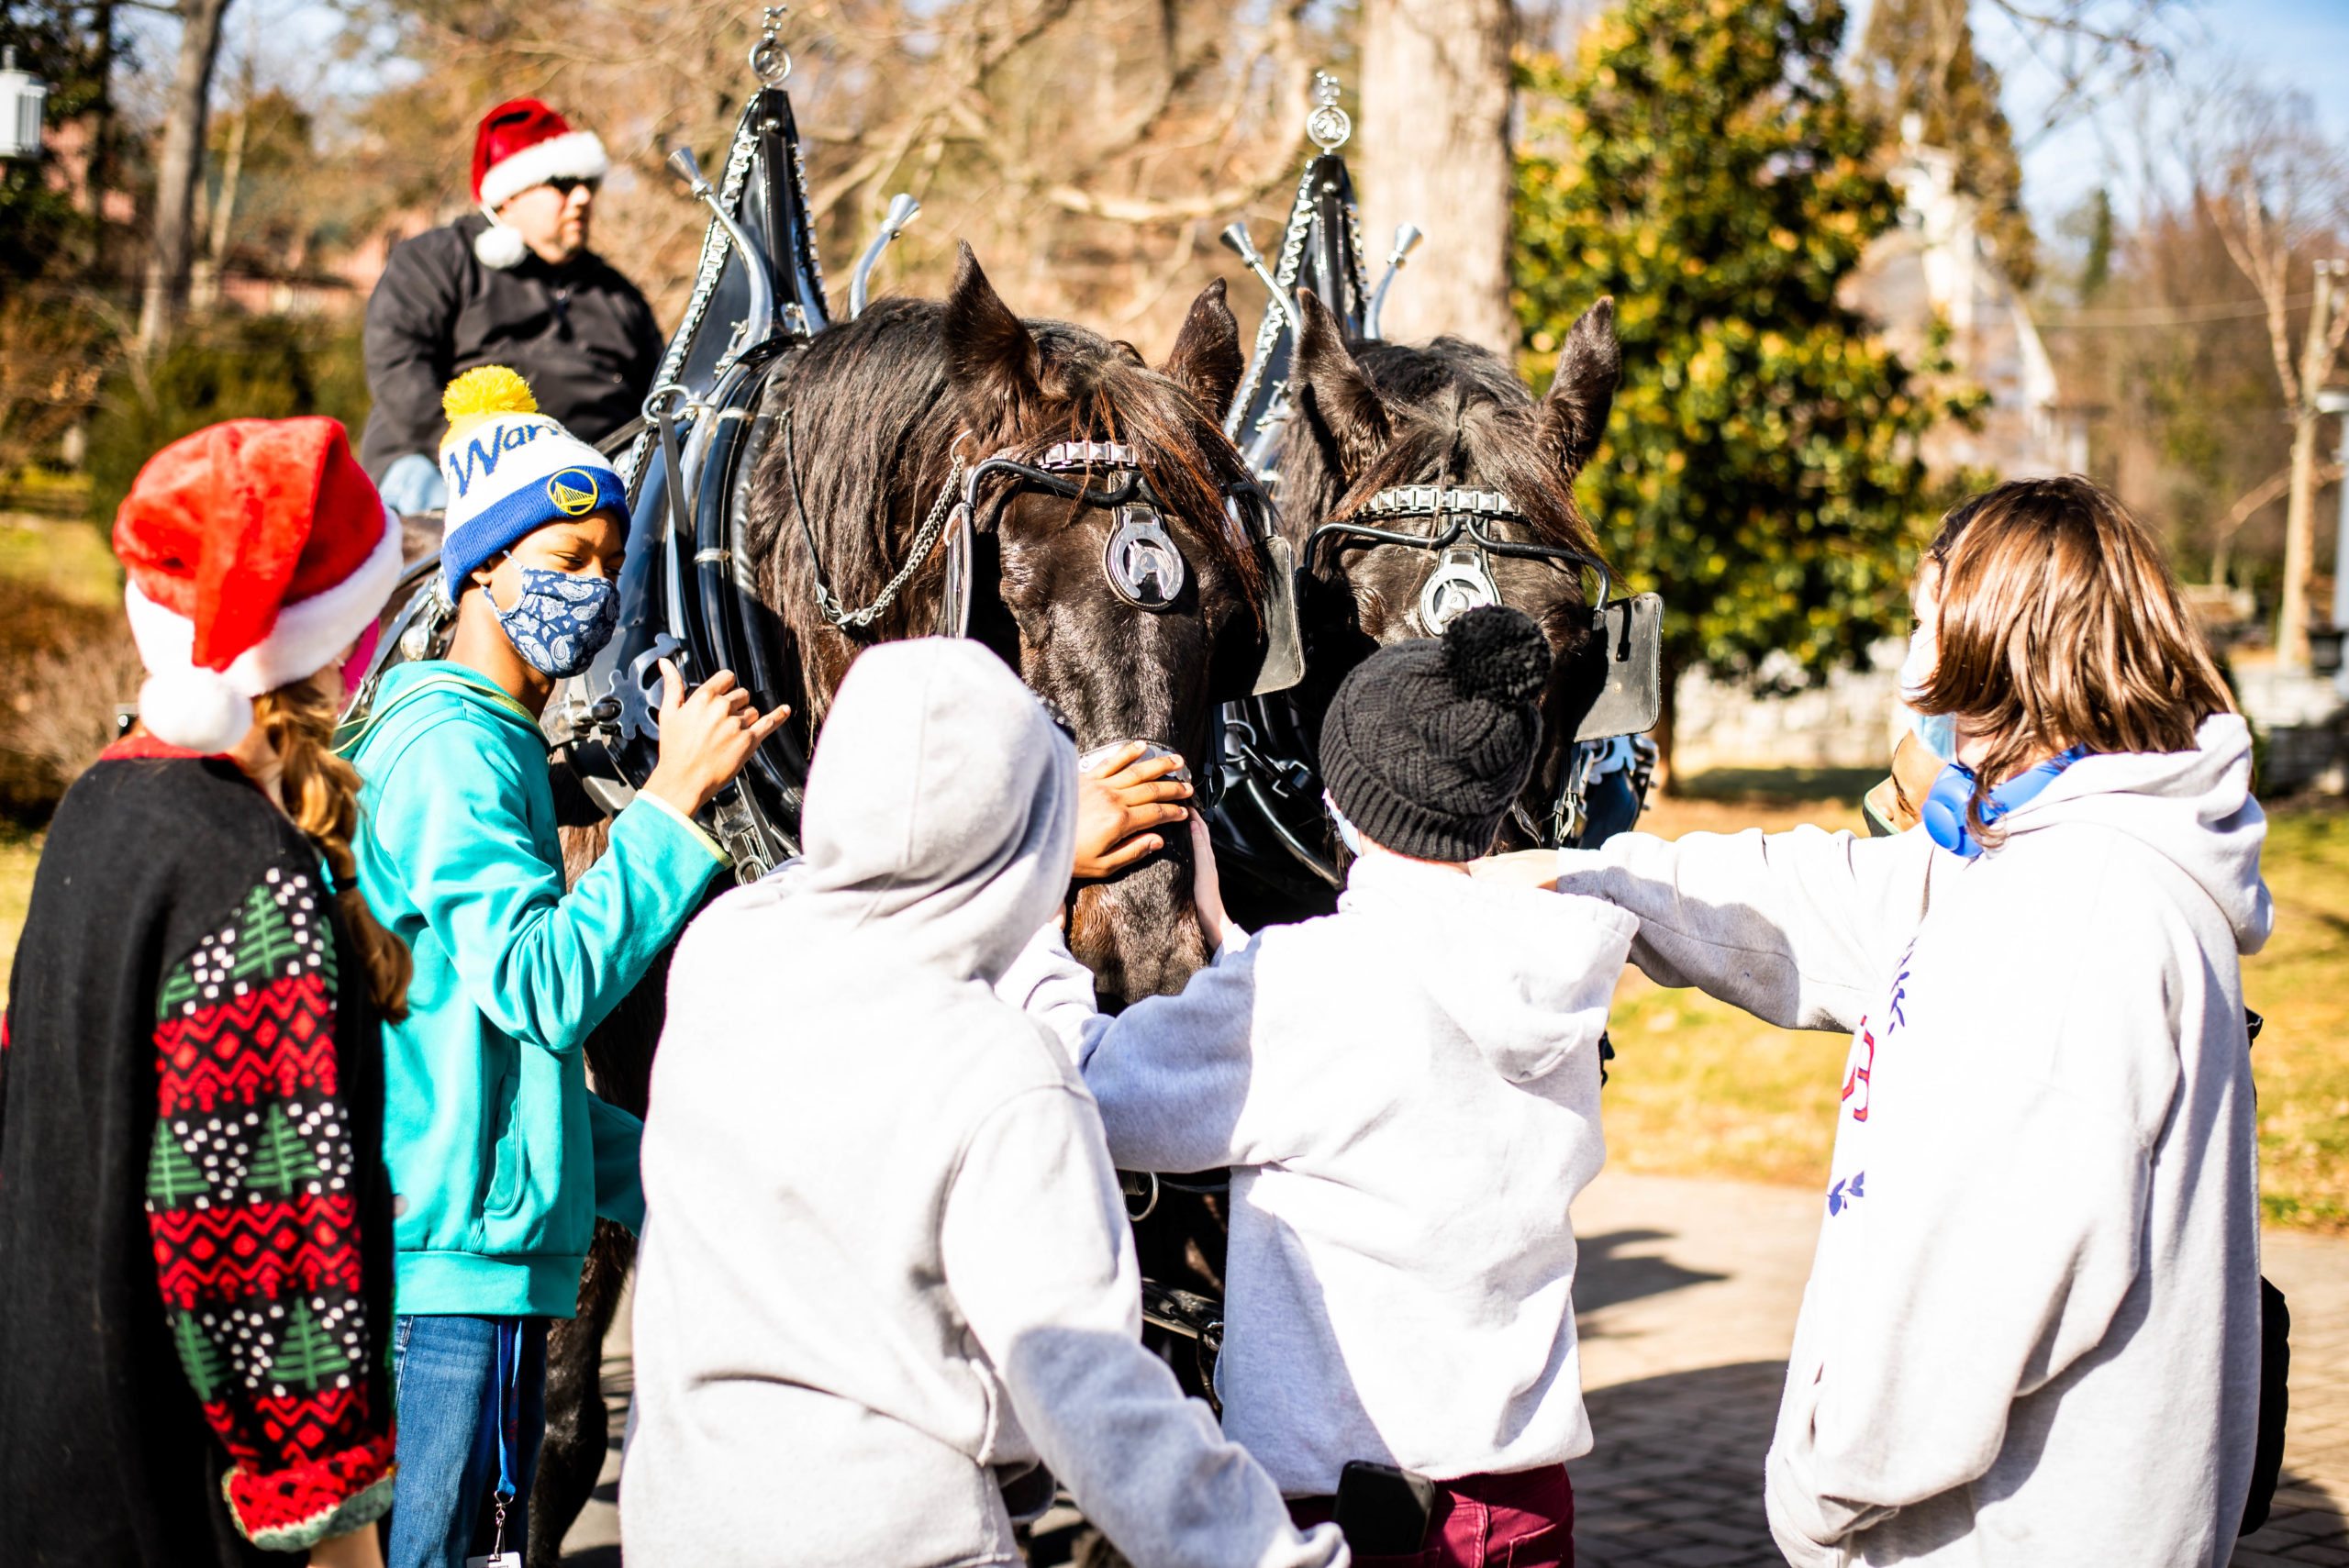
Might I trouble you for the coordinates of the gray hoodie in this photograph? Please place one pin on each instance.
(2031, 1331)
(1407, 1093)
(885, 1262)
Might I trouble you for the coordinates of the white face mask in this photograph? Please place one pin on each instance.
(1936, 732)
(1348, 834)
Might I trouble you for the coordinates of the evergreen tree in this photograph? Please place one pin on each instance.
(307, 1354)
(266, 940)
(199, 1357)
(171, 1175)
(1918, 58)
(281, 1161)
(1702, 163)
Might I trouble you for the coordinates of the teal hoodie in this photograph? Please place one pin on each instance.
(500, 1156)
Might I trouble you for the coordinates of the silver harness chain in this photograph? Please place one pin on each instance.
(924, 542)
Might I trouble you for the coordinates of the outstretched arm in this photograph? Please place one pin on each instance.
(1042, 1265)
(543, 965)
(1801, 928)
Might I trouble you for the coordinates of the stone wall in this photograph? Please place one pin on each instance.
(1846, 723)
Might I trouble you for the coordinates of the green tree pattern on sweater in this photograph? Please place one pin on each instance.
(171, 1175)
(308, 1355)
(281, 1161)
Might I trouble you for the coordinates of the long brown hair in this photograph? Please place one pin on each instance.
(322, 794)
(2062, 626)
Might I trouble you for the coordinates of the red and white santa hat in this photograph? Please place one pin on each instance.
(524, 143)
(257, 550)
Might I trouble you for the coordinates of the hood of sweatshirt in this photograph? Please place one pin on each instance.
(943, 800)
(1527, 974)
(2194, 808)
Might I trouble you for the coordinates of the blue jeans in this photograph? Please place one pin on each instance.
(445, 1371)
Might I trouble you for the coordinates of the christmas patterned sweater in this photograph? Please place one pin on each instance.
(246, 1113)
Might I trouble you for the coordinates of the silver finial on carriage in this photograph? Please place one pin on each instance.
(902, 211)
(1237, 240)
(1327, 126)
(770, 62)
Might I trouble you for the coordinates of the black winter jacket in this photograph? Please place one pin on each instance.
(581, 335)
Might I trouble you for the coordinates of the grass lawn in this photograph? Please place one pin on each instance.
(1697, 1088)
(19, 853)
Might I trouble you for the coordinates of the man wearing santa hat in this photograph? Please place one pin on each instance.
(512, 283)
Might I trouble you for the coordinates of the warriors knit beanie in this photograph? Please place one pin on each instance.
(511, 470)
(1429, 742)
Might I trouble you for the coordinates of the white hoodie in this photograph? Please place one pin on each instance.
(1408, 1091)
(885, 1258)
(2031, 1332)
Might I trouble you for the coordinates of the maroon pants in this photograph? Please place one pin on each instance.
(1522, 1520)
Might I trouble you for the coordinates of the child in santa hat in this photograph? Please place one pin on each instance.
(195, 1224)
(502, 1157)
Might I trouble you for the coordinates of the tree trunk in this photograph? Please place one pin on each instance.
(2300, 521)
(178, 169)
(1434, 141)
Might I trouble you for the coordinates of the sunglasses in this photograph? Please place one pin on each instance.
(564, 185)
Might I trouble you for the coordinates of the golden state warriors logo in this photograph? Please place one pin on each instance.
(574, 491)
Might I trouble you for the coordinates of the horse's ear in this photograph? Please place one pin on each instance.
(991, 358)
(1574, 416)
(1206, 361)
(1340, 406)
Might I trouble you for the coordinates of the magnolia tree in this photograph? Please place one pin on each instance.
(1701, 161)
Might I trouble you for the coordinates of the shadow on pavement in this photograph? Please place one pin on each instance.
(1675, 1472)
(1604, 1277)
(2305, 1526)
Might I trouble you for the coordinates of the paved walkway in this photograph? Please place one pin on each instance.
(1688, 1292)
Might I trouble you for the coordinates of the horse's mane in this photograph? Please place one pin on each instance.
(1458, 410)
(875, 419)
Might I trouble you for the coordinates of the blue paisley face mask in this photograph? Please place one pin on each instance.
(560, 622)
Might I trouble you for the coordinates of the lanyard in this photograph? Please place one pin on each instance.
(505, 1411)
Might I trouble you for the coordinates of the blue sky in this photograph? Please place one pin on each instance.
(2299, 45)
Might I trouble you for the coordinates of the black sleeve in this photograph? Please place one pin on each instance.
(411, 324)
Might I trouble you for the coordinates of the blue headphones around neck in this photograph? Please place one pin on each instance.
(1953, 791)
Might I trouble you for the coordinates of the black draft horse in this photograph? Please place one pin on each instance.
(879, 408)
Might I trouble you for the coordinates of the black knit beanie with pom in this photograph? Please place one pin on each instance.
(1429, 742)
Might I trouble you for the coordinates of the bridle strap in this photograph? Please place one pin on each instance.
(1436, 500)
(1344, 531)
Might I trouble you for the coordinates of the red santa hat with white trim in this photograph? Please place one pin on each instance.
(257, 550)
(518, 145)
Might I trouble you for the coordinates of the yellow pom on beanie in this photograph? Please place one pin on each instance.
(482, 392)
(488, 389)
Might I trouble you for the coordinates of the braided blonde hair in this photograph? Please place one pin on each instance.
(322, 794)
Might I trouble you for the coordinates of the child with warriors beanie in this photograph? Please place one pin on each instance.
(1407, 1093)
(502, 1157)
